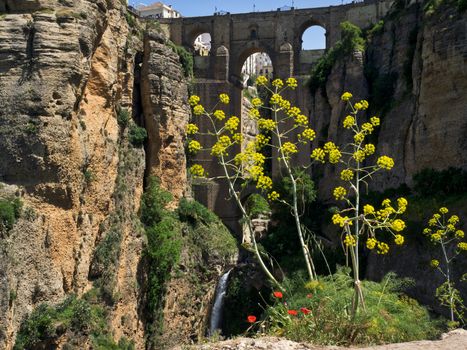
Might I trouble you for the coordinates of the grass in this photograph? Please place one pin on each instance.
(10, 211)
(390, 316)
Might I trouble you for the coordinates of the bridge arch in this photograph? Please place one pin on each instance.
(194, 33)
(241, 57)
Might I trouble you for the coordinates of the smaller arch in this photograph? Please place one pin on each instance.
(199, 38)
(202, 44)
(222, 51)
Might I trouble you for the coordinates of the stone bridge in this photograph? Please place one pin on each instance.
(234, 37)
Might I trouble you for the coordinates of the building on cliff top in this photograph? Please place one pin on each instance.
(158, 10)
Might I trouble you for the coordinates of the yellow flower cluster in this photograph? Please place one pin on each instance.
(367, 128)
(349, 121)
(362, 105)
(261, 80)
(359, 155)
(238, 137)
(385, 162)
(284, 104)
(346, 96)
(220, 147)
(232, 124)
(459, 234)
(337, 219)
(454, 220)
(256, 102)
(301, 120)
(191, 129)
(339, 193)
(198, 110)
(275, 99)
(369, 149)
(224, 98)
(399, 239)
(273, 196)
(294, 112)
(318, 154)
(371, 243)
(383, 248)
(193, 100)
(292, 83)
(219, 115)
(289, 148)
(194, 146)
(253, 113)
(434, 263)
(443, 210)
(261, 141)
(197, 170)
(350, 241)
(264, 182)
(308, 134)
(266, 124)
(375, 121)
(278, 83)
(359, 137)
(398, 225)
(347, 174)
(462, 246)
(368, 209)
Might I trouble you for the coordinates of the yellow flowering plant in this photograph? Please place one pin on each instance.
(237, 167)
(443, 230)
(361, 223)
(243, 161)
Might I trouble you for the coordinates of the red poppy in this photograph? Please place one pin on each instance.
(292, 312)
(251, 319)
(305, 310)
(278, 294)
(309, 296)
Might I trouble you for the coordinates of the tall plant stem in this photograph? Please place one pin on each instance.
(448, 277)
(250, 227)
(306, 252)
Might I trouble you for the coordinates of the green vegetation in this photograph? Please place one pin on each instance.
(186, 58)
(322, 312)
(10, 211)
(81, 316)
(256, 205)
(192, 212)
(137, 135)
(123, 117)
(163, 249)
(430, 182)
(351, 40)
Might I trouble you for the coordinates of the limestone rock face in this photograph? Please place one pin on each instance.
(166, 113)
(65, 67)
(415, 68)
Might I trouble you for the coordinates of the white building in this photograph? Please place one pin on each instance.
(158, 10)
(202, 44)
(258, 64)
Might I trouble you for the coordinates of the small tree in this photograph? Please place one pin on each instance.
(444, 233)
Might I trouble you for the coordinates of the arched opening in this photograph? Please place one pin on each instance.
(256, 64)
(202, 45)
(314, 38)
(312, 44)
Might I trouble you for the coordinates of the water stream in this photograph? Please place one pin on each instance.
(216, 313)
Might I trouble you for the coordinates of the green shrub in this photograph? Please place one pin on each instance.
(137, 135)
(10, 211)
(390, 316)
(47, 323)
(351, 40)
(462, 5)
(123, 117)
(192, 211)
(256, 205)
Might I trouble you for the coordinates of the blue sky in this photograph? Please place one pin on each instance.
(312, 39)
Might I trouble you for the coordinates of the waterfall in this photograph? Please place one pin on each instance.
(216, 313)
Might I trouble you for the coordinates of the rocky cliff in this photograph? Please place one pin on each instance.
(413, 73)
(78, 80)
